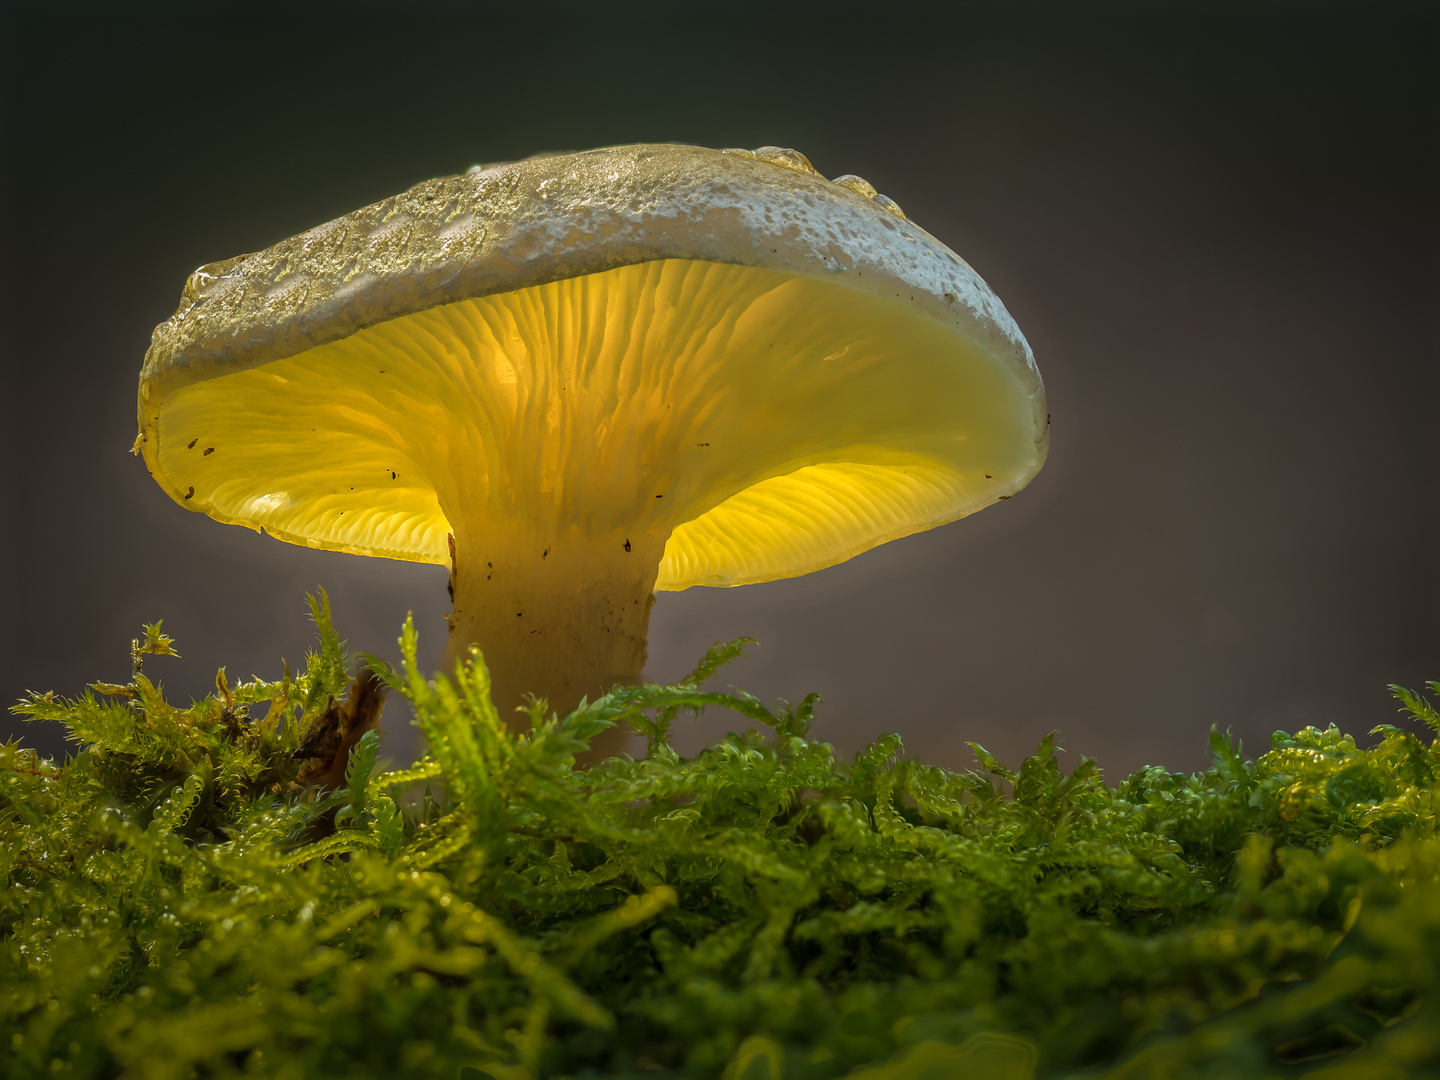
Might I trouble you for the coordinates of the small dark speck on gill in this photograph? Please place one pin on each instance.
(191, 444)
(208, 451)
(191, 494)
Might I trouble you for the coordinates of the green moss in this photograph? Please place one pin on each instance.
(176, 905)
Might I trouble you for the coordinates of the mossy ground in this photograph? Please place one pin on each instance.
(177, 905)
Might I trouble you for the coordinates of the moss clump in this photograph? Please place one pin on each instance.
(177, 905)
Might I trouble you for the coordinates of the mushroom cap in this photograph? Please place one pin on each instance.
(778, 370)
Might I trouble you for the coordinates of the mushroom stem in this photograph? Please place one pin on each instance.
(561, 617)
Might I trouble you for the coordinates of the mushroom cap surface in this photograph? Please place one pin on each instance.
(776, 370)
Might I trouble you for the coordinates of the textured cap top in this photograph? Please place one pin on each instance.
(503, 227)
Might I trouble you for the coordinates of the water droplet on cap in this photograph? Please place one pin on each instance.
(891, 205)
(198, 285)
(857, 184)
(786, 158)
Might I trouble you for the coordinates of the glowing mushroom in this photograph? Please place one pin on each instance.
(580, 379)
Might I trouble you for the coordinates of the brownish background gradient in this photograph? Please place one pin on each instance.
(1217, 227)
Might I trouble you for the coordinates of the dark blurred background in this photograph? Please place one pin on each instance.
(1216, 225)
